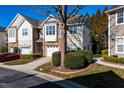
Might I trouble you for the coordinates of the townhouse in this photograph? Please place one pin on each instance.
(116, 31)
(32, 36)
(22, 34)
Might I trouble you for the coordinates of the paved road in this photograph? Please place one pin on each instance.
(15, 79)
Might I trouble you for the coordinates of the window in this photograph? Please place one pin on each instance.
(25, 31)
(72, 29)
(72, 47)
(120, 45)
(12, 33)
(120, 16)
(50, 30)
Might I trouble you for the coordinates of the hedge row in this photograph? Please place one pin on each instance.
(30, 56)
(73, 59)
(114, 59)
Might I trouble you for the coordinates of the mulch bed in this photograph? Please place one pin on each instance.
(68, 71)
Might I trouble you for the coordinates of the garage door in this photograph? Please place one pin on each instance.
(51, 50)
(25, 50)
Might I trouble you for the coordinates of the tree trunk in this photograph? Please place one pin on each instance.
(63, 44)
(63, 47)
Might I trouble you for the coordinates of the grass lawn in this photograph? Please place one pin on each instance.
(19, 62)
(95, 75)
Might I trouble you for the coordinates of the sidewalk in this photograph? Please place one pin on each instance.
(99, 61)
(29, 69)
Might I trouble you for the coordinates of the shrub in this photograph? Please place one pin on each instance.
(75, 60)
(30, 56)
(3, 49)
(88, 55)
(37, 55)
(56, 58)
(26, 56)
(104, 52)
(114, 59)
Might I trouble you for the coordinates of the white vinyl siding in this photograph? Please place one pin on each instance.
(120, 17)
(120, 45)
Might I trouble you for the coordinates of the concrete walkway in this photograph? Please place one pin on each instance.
(101, 62)
(29, 69)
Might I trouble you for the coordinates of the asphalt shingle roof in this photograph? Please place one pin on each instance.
(32, 21)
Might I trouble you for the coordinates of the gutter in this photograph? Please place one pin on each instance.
(110, 10)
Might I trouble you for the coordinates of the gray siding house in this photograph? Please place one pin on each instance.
(3, 38)
(116, 31)
(78, 34)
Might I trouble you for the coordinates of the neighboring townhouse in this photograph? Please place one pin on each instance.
(78, 35)
(23, 34)
(3, 39)
(116, 31)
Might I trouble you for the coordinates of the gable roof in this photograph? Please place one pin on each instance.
(75, 19)
(32, 21)
(50, 16)
(114, 7)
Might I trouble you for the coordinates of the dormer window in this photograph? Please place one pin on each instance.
(25, 31)
(50, 30)
(120, 16)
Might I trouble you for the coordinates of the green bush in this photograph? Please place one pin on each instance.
(56, 58)
(37, 55)
(104, 52)
(3, 49)
(114, 59)
(26, 56)
(75, 60)
(89, 56)
(30, 56)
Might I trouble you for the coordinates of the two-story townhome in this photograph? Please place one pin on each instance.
(22, 35)
(3, 39)
(32, 36)
(78, 34)
(116, 31)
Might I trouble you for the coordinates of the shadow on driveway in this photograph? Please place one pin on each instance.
(16, 79)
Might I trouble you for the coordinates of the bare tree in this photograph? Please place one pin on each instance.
(63, 12)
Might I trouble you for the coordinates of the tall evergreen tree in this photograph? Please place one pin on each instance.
(99, 27)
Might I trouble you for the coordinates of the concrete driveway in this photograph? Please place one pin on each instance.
(25, 76)
(15, 79)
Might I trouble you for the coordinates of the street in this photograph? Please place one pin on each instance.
(15, 79)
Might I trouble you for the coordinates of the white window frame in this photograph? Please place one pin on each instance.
(117, 18)
(12, 33)
(117, 44)
(25, 30)
(51, 30)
